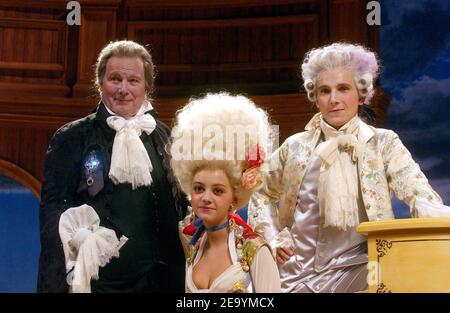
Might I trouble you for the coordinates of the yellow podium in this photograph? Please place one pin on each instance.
(408, 255)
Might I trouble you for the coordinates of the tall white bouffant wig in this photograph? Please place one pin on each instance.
(217, 131)
(360, 60)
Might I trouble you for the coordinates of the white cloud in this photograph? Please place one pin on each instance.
(422, 99)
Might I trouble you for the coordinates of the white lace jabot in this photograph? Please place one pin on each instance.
(130, 162)
(338, 179)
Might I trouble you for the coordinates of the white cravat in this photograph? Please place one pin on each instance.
(338, 179)
(130, 162)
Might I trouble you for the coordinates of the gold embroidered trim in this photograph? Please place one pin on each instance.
(251, 247)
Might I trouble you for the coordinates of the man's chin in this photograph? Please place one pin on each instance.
(124, 111)
(336, 122)
(122, 103)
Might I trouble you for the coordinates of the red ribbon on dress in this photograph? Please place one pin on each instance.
(191, 229)
(238, 220)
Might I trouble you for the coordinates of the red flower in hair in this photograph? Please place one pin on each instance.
(255, 156)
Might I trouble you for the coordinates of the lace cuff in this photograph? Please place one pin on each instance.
(282, 239)
(426, 208)
(86, 245)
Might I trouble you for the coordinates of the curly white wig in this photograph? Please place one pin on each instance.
(361, 61)
(217, 131)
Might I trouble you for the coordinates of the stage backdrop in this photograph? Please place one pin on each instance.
(415, 53)
(19, 237)
(247, 46)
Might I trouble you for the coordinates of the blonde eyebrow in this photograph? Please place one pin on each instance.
(214, 185)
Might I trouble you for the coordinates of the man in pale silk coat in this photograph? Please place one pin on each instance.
(320, 185)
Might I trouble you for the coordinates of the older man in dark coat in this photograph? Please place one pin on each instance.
(90, 162)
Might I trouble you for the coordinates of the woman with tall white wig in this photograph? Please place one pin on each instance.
(218, 147)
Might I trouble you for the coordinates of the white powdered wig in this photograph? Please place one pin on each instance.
(362, 62)
(217, 131)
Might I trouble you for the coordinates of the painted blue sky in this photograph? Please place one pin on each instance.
(415, 55)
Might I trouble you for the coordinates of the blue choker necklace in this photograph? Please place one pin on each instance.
(218, 227)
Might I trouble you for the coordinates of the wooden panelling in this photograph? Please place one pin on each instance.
(348, 21)
(249, 46)
(208, 3)
(99, 27)
(267, 50)
(31, 4)
(25, 147)
(33, 55)
(195, 24)
(70, 108)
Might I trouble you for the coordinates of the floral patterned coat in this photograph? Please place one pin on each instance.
(384, 165)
